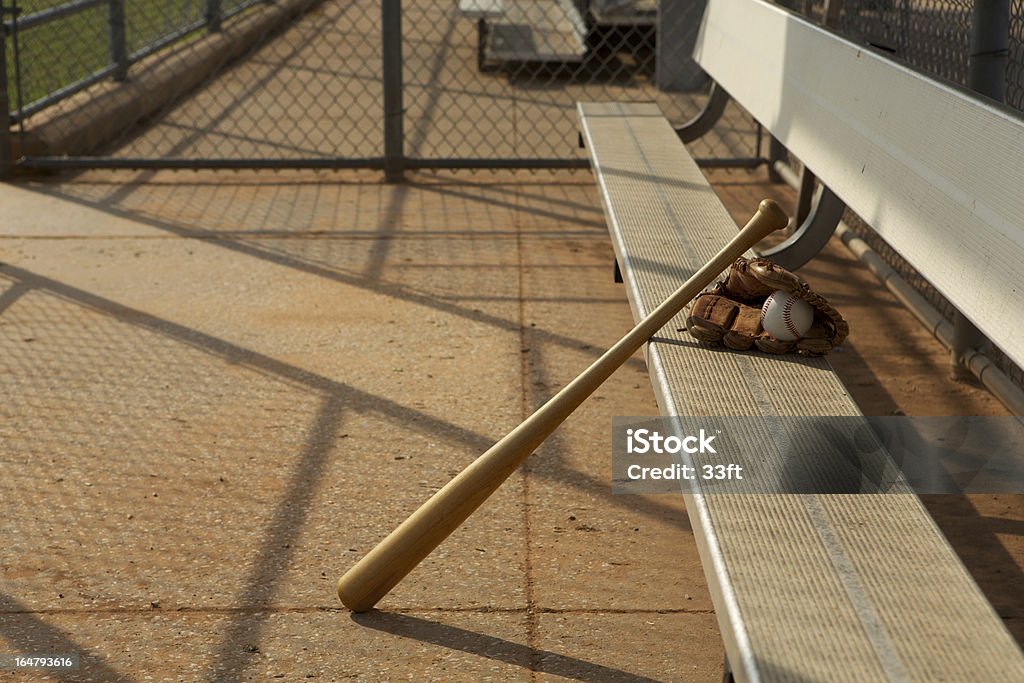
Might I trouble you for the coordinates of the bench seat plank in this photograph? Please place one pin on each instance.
(481, 9)
(936, 171)
(811, 587)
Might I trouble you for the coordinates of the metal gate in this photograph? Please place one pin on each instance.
(331, 83)
(395, 84)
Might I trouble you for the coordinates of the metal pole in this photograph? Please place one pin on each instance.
(391, 61)
(989, 53)
(805, 193)
(903, 34)
(804, 197)
(990, 48)
(118, 40)
(6, 162)
(831, 13)
(213, 16)
(776, 152)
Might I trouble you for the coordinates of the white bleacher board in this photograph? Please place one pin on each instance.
(481, 9)
(538, 30)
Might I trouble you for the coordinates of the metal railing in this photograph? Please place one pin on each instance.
(121, 54)
(399, 84)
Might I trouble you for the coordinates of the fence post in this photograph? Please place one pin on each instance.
(990, 48)
(986, 74)
(391, 63)
(213, 16)
(118, 40)
(6, 162)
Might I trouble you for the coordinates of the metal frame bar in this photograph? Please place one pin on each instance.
(59, 12)
(81, 162)
(730, 162)
(6, 151)
(391, 66)
(213, 15)
(118, 68)
(707, 117)
(118, 40)
(989, 54)
(237, 9)
(376, 163)
(815, 224)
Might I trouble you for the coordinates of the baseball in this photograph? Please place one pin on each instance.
(786, 317)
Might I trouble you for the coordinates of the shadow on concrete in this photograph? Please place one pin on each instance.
(31, 635)
(272, 560)
(367, 281)
(498, 649)
(975, 538)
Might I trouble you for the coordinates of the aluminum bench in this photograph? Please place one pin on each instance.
(836, 587)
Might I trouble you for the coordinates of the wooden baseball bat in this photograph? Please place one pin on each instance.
(382, 568)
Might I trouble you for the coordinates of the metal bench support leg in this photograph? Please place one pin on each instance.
(706, 119)
(812, 234)
(727, 676)
(777, 153)
(805, 196)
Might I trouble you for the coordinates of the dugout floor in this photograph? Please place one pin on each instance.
(219, 390)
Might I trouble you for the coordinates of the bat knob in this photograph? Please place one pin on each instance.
(773, 213)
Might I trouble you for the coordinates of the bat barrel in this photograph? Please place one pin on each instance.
(392, 559)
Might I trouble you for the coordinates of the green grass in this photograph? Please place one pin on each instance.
(56, 54)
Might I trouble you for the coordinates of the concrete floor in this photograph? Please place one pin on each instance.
(220, 390)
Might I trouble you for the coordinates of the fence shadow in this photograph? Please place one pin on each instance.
(501, 650)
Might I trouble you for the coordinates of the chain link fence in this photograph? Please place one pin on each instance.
(409, 82)
(958, 41)
(60, 48)
(933, 36)
(322, 82)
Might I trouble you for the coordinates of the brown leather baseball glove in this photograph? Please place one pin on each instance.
(730, 312)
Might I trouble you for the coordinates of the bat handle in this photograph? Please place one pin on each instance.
(389, 561)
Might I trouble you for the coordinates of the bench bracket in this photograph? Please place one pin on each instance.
(812, 234)
(707, 117)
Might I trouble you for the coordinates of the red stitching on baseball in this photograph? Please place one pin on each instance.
(787, 309)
